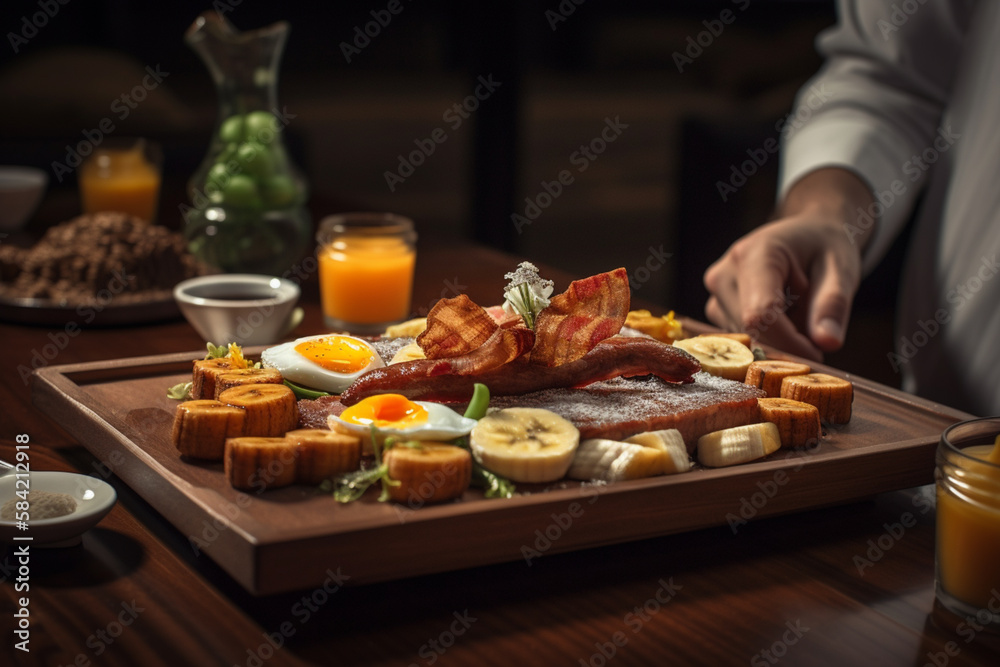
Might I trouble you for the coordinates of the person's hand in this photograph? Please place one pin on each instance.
(791, 282)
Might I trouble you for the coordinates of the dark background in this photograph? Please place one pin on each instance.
(654, 191)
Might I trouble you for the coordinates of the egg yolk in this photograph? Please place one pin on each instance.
(386, 411)
(337, 353)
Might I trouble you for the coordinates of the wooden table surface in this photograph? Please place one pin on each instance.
(848, 585)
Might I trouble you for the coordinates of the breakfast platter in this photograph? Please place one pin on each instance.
(293, 538)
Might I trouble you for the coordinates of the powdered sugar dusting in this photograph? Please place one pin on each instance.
(624, 406)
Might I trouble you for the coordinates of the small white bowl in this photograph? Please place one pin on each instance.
(94, 499)
(21, 190)
(242, 308)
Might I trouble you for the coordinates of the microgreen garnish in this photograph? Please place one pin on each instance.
(180, 392)
(526, 293)
(493, 485)
(350, 486)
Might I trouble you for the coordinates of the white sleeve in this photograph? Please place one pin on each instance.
(878, 100)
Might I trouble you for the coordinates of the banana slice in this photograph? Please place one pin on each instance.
(739, 444)
(270, 409)
(671, 443)
(241, 376)
(738, 336)
(408, 329)
(614, 461)
(797, 422)
(259, 463)
(831, 395)
(768, 374)
(525, 444)
(719, 355)
(321, 453)
(204, 374)
(201, 427)
(408, 353)
(430, 473)
(665, 328)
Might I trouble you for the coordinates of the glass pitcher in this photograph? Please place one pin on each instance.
(248, 210)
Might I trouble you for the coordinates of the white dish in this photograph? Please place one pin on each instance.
(21, 190)
(242, 308)
(94, 499)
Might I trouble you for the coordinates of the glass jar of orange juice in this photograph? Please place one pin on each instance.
(366, 263)
(968, 520)
(122, 177)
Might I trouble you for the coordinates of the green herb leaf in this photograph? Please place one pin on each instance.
(480, 402)
(350, 486)
(180, 392)
(493, 485)
(216, 351)
(302, 392)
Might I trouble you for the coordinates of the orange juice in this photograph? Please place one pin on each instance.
(366, 263)
(968, 529)
(120, 180)
(366, 281)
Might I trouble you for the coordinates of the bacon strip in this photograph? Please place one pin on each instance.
(575, 321)
(612, 357)
(455, 327)
(503, 347)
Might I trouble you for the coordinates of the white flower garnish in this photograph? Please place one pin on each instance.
(526, 293)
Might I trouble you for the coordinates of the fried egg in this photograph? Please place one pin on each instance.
(329, 362)
(395, 415)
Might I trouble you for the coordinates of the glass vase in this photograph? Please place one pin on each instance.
(247, 212)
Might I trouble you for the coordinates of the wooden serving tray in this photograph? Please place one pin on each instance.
(294, 538)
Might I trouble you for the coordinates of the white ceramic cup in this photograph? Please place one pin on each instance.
(21, 190)
(241, 308)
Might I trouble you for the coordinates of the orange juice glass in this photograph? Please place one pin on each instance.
(366, 263)
(968, 521)
(125, 179)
